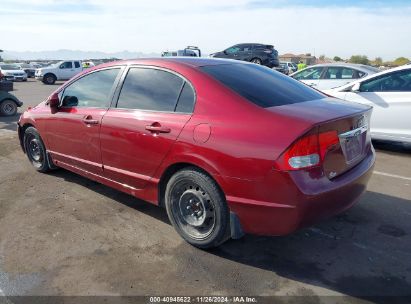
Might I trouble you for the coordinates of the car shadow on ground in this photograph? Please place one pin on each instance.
(9, 122)
(364, 252)
(392, 146)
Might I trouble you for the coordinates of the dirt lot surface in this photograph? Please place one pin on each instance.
(61, 234)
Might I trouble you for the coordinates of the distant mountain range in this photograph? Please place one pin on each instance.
(71, 55)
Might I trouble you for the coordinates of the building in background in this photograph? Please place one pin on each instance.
(305, 58)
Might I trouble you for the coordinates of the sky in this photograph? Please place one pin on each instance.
(367, 27)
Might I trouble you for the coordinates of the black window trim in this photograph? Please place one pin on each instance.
(152, 67)
(111, 94)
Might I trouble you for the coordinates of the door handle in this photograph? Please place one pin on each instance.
(157, 128)
(88, 120)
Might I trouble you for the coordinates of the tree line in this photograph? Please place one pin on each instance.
(362, 59)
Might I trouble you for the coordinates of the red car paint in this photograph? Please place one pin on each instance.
(240, 145)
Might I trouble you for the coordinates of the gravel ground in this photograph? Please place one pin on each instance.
(61, 234)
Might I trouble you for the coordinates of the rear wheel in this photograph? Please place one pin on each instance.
(197, 209)
(8, 107)
(35, 150)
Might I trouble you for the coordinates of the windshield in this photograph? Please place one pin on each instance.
(260, 85)
(9, 67)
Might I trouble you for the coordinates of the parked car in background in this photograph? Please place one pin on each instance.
(389, 93)
(12, 72)
(28, 68)
(8, 104)
(62, 70)
(282, 68)
(291, 66)
(189, 51)
(190, 134)
(263, 54)
(332, 75)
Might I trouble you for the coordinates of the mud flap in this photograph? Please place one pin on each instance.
(235, 227)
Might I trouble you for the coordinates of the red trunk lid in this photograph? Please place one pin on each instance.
(350, 121)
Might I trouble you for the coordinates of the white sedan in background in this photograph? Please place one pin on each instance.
(332, 75)
(389, 93)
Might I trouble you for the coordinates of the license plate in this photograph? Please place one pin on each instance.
(353, 147)
(352, 143)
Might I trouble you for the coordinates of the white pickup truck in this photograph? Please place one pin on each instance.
(62, 70)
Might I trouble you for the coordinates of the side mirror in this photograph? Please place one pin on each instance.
(356, 87)
(225, 52)
(54, 101)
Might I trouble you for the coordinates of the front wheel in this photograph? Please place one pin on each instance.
(8, 107)
(49, 79)
(197, 208)
(256, 61)
(35, 150)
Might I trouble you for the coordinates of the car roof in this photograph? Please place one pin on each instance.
(361, 67)
(188, 61)
(344, 64)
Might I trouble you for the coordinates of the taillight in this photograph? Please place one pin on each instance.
(307, 151)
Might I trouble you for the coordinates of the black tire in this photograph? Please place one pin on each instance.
(35, 150)
(197, 208)
(257, 61)
(49, 79)
(8, 107)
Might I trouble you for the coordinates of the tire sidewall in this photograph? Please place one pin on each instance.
(43, 166)
(8, 101)
(49, 76)
(219, 233)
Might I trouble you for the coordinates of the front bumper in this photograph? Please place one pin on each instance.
(297, 199)
(15, 78)
(39, 77)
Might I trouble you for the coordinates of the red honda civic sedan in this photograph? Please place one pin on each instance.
(226, 147)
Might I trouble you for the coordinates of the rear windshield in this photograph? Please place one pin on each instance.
(260, 85)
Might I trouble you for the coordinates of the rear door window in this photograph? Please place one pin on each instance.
(186, 100)
(150, 89)
(260, 85)
(340, 73)
(76, 64)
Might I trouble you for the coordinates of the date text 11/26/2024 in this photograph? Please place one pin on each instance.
(203, 299)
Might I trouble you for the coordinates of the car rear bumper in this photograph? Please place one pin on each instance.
(271, 62)
(296, 203)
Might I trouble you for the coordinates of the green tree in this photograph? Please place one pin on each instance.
(378, 61)
(337, 58)
(401, 61)
(360, 59)
(322, 57)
